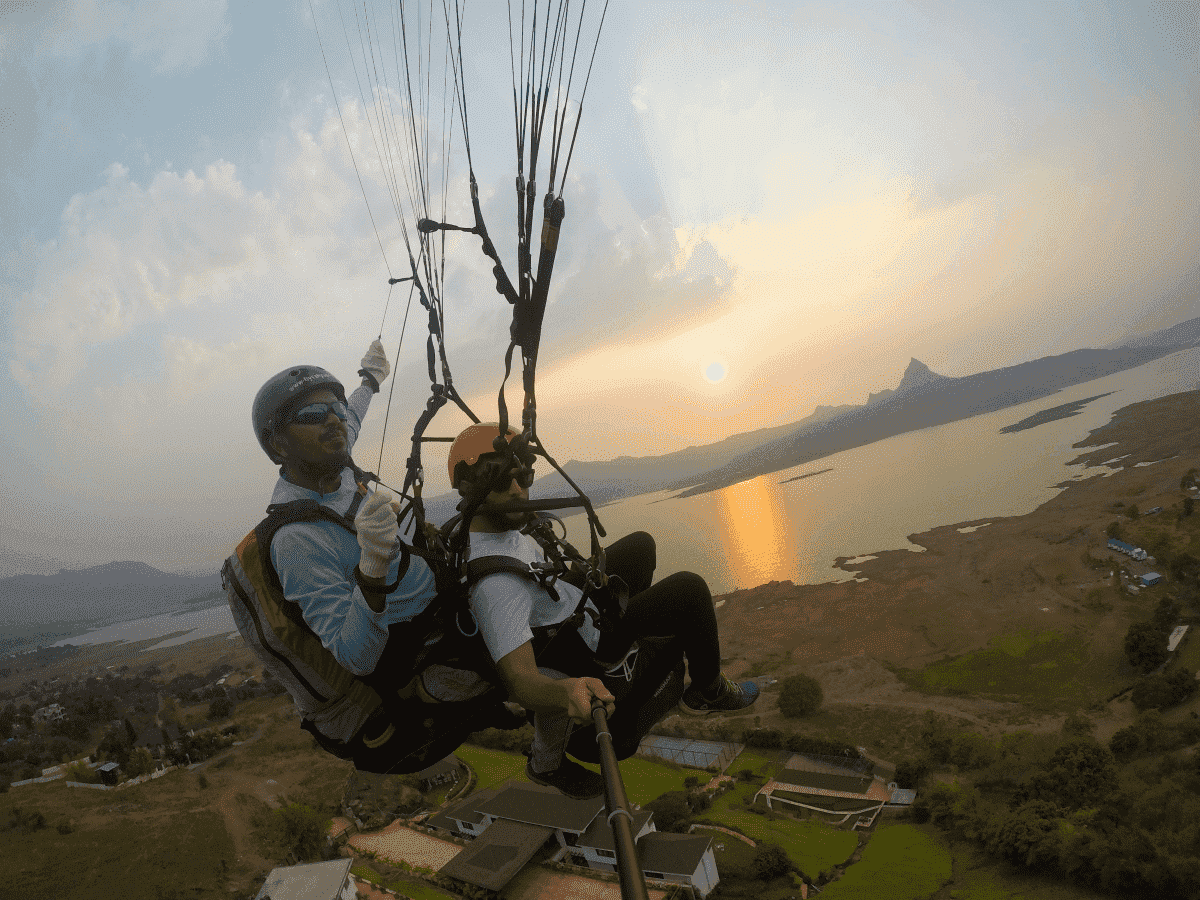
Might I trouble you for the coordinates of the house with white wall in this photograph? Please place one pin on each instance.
(508, 826)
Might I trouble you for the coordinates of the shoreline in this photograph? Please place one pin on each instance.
(971, 584)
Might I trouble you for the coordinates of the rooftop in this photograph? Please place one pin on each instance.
(311, 881)
(537, 805)
(463, 810)
(672, 854)
(849, 784)
(599, 834)
(494, 858)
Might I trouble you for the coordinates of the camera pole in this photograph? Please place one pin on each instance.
(620, 819)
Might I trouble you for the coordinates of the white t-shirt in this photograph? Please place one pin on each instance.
(508, 606)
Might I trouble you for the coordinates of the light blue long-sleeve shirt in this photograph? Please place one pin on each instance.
(316, 560)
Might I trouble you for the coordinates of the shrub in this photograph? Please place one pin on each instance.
(672, 811)
(1163, 691)
(1125, 744)
(1145, 646)
(799, 696)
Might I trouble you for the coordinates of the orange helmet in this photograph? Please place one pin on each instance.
(472, 443)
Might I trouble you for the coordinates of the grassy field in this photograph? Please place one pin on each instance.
(644, 779)
(735, 863)
(150, 841)
(900, 863)
(492, 767)
(1045, 670)
(978, 877)
(812, 845)
(411, 889)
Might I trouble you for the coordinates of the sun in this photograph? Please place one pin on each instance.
(715, 371)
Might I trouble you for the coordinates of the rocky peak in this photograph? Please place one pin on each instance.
(918, 376)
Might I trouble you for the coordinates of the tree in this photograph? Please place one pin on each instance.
(1132, 512)
(1151, 692)
(1145, 646)
(1028, 835)
(1166, 613)
(799, 696)
(1126, 743)
(969, 751)
(770, 862)
(671, 811)
(1114, 530)
(1162, 691)
(910, 773)
(1077, 725)
(220, 708)
(1184, 566)
(140, 763)
(1079, 772)
(1188, 505)
(936, 737)
(300, 830)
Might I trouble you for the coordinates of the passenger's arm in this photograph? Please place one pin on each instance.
(333, 606)
(533, 690)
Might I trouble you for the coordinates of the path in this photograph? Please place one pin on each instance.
(397, 843)
(534, 883)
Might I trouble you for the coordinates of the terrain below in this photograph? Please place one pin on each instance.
(991, 593)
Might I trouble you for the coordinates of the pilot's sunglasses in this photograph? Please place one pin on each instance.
(317, 413)
(502, 479)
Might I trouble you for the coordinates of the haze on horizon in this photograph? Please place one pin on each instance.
(773, 206)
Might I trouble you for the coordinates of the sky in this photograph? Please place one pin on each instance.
(770, 206)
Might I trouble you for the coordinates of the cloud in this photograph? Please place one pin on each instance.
(169, 35)
(126, 256)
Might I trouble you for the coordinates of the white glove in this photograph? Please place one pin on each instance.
(378, 532)
(375, 365)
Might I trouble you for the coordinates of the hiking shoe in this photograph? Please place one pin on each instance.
(731, 697)
(569, 778)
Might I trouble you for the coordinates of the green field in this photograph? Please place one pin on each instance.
(900, 863)
(143, 842)
(411, 889)
(492, 767)
(644, 779)
(812, 845)
(1045, 670)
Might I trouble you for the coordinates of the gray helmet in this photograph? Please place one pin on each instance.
(278, 398)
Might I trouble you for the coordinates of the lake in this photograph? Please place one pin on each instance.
(774, 528)
(873, 497)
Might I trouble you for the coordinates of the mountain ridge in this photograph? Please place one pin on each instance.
(922, 399)
(115, 591)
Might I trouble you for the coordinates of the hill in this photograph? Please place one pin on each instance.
(116, 591)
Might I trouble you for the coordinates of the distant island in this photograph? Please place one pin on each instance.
(1053, 414)
(806, 475)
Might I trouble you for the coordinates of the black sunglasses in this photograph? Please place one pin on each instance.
(317, 413)
(499, 474)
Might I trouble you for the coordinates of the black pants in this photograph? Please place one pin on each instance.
(679, 606)
(411, 735)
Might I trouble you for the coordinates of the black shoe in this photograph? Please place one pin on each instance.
(569, 778)
(730, 698)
